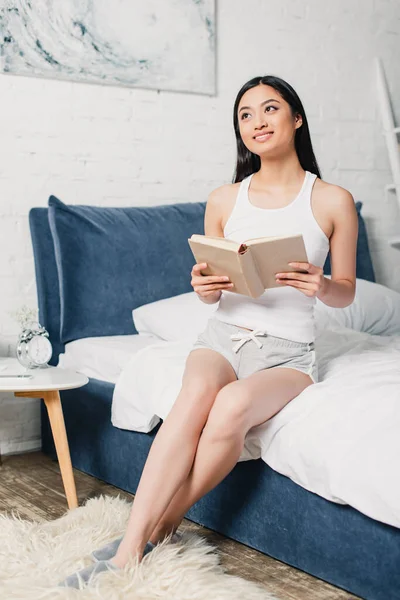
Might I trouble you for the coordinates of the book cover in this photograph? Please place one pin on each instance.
(250, 265)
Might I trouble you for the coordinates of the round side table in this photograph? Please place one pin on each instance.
(46, 383)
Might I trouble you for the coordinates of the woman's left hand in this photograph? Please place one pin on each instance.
(311, 283)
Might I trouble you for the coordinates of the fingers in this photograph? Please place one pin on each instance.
(308, 267)
(196, 274)
(196, 271)
(212, 287)
(206, 285)
(197, 268)
(294, 275)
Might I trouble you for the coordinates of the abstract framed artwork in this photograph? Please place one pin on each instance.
(156, 44)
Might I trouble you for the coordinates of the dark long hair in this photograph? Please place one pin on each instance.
(247, 162)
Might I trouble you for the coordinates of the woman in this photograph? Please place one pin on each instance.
(255, 355)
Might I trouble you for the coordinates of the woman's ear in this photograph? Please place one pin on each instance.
(298, 121)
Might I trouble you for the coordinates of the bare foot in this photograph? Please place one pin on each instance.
(125, 553)
(125, 550)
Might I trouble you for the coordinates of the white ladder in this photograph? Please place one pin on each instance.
(390, 132)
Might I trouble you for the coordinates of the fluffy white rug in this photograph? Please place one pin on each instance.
(36, 556)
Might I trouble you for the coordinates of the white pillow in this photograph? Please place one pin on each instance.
(375, 310)
(181, 317)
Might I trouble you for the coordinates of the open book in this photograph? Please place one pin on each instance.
(251, 265)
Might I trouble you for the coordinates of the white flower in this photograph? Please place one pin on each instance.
(25, 315)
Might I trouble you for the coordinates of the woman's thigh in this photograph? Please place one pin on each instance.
(250, 401)
(206, 373)
(208, 365)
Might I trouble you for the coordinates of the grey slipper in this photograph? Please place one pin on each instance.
(79, 579)
(176, 537)
(109, 550)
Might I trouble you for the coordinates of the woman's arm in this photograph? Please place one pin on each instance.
(213, 213)
(213, 227)
(339, 291)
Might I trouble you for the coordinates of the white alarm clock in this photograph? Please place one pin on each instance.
(34, 348)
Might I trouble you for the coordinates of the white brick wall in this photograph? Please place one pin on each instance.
(115, 146)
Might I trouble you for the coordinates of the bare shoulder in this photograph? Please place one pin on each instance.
(223, 193)
(333, 195)
(332, 205)
(221, 201)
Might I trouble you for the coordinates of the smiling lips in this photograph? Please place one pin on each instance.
(262, 137)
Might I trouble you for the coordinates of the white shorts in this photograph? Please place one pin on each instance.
(255, 350)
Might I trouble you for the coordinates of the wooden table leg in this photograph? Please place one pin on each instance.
(56, 418)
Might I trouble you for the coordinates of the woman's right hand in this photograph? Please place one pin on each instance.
(208, 287)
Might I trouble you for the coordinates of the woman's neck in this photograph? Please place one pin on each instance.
(279, 173)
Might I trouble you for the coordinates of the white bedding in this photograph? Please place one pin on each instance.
(339, 438)
(103, 357)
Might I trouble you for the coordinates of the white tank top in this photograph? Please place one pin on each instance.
(283, 312)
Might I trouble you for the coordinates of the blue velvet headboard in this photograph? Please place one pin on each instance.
(157, 270)
(46, 278)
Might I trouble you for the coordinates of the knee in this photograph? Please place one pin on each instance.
(229, 414)
(197, 388)
(194, 402)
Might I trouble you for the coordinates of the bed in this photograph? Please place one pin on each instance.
(104, 357)
(93, 267)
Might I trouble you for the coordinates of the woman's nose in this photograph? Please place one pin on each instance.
(260, 121)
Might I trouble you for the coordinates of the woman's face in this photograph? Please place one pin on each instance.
(266, 122)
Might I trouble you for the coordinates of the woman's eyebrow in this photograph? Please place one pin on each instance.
(262, 103)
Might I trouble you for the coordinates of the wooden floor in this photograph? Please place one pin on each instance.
(30, 484)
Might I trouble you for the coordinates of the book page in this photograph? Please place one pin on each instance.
(216, 242)
(262, 240)
(274, 256)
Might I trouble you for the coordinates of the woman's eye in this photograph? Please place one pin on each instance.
(244, 115)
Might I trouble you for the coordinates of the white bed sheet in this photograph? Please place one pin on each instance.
(339, 438)
(103, 357)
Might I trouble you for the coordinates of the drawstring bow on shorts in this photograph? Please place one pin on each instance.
(246, 337)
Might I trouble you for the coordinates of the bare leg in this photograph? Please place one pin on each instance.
(234, 412)
(174, 448)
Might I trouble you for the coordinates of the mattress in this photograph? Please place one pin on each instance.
(103, 357)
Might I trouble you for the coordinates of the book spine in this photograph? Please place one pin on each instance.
(250, 274)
